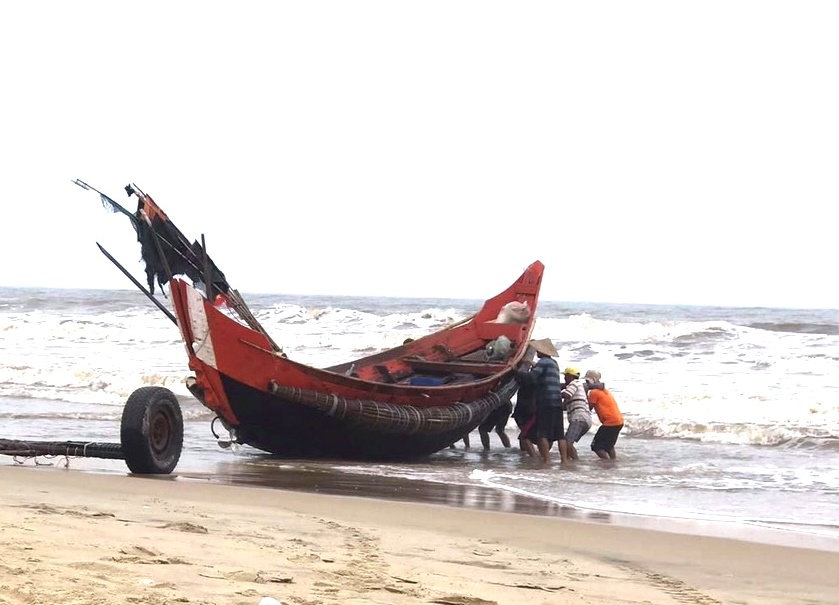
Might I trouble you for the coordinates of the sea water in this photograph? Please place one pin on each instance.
(732, 414)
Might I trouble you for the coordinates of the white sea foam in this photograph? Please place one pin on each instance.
(713, 380)
(709, 380)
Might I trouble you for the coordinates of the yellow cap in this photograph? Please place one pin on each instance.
(572, 371)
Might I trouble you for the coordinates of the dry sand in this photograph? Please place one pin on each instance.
(71, 537)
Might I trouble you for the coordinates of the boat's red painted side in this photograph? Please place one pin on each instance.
(219, 346)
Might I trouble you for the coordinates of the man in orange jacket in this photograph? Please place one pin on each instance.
(611, 419)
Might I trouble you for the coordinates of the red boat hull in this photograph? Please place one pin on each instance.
(406, 402)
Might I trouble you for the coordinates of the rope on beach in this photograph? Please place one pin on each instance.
(20, 459)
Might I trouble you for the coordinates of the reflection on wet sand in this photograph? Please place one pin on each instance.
(328, 477)
(320, 477)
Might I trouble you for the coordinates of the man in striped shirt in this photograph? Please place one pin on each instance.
(575, 402)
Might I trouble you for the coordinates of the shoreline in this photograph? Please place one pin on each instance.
(73, 536)
(319, 479)
(479, 497)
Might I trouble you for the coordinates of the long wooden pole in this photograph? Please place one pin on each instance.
(142, 288)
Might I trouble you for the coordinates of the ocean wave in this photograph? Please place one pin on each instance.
(734, 433)
(335, 317)
(42, 330)
(585, 328)
(347, 330)
(84, 385)
(828, 329)
(830, 530)
(581, 496)
(190, 410)
(708, 334)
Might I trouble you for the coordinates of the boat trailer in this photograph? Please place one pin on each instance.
(151, 436)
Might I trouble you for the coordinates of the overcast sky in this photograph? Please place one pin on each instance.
(662, 152)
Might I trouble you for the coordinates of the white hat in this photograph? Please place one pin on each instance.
(544, 346)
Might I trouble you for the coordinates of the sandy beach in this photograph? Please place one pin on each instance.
(74, 537)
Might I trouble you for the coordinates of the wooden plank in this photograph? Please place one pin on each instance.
(455, 366)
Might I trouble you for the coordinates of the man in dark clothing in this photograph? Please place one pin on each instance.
(525, 416)
(496, 421)
(545, 378)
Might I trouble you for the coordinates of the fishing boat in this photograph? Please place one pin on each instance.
(402, 403)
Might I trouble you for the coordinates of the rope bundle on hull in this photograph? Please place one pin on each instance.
(402, 419)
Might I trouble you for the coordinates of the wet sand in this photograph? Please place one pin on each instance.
(321, 477)
(83, 537)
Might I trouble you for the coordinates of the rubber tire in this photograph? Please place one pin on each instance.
(152, 431)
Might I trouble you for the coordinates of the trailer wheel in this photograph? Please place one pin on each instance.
(152, 431)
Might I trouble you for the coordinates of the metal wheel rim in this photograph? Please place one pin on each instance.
(160, 433)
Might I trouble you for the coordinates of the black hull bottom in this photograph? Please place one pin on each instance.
(292, 430)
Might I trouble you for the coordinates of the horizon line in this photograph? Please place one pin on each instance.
(460, 298)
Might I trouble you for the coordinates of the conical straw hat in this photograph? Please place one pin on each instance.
(544, 346)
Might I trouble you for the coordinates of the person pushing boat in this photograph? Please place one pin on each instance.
(575, 402)
(611, 420)
(545, 378)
